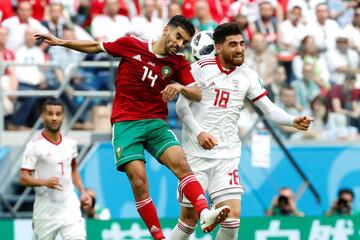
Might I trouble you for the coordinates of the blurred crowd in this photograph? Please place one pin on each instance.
(306, 52)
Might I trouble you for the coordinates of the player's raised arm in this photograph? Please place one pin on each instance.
(85, 46)
(280, 116)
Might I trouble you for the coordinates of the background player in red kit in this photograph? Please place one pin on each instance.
(140, 109)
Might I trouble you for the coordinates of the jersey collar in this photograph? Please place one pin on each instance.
(151, 49)
(227, 72)
(51, 141)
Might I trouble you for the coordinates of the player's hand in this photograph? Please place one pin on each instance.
(48, 38)
(206, 140)
(302, 123)
(54, 183)
(170, 91)
(86, 201)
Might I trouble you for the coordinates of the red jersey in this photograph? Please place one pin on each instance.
(7, 55)
(140, 78)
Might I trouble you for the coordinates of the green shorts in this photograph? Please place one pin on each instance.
(130, 138)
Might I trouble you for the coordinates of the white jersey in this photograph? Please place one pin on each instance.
(48, 159)
(223, 94)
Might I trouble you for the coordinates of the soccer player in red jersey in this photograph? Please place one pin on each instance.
(143, 85)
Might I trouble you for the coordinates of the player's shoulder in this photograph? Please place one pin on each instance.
(36, 139)
(202, 63)
(247, 71)
(68, 140)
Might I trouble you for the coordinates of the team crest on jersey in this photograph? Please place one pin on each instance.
(118, 152)
(166, 71)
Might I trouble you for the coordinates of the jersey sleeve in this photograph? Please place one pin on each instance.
(196, 73)
(116, 48)
(183, 74)
(256, 90)
(74, 150)
(29, 159)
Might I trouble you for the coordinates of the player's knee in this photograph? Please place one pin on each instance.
(139, 184)
(182, 168)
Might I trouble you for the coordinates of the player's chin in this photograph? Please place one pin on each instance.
(237, 61)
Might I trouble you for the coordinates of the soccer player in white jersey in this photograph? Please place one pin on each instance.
(49, 165)
(210, 134)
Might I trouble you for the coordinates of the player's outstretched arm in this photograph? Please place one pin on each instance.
(193, 92)
(281, 117)
(84, 46)
(26, 179)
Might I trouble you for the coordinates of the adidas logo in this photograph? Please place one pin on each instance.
(154, 229)
(201, 197)
(137, 57)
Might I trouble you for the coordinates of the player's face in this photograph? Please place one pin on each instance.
(175, 39)
(53, 116)
(232, 50)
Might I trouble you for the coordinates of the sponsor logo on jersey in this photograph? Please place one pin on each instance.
(154, 229)
(137, 57)
(201, 197)
(166, 71)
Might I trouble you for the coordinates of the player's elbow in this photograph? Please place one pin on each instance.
(22, 180)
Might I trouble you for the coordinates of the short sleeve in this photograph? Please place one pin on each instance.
(183, 74)
(256, 90)
(74, 150)
(29, 157)
(116, 48)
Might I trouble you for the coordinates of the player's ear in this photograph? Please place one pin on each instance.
(218, 48)
(166, 30)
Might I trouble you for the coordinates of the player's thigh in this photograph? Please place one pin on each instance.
(224, 182)
(45, 230)
(73, 229)
(128, 142)
(201, 173)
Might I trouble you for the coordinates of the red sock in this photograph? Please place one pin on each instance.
(193, 191)
(148, 214)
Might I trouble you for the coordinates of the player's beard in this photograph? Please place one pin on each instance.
(234, 60)
(169, 49)
(53, 127)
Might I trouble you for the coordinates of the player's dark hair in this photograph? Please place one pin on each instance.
(51, 102)
(346, 190)
(224, 30)
(181, 21)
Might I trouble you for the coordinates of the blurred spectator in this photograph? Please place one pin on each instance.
(343, 99)
(284, 204)
(352, 30)
(292, 30)
(342, 11)
(343, 205)
(308, 8)
(202, 18)
(249, 120)
(248, 8)
(326, 125)
(65, 57)
(289, 104)
(96, 211)
(324, 29)
(8, 81)
(277, 84)
(260, 59)
(30, 78)
(347, 60)
(174, 8)
(147, 25)
(18, 24)
(39, 8)
(306, 88)
(56, 22)
(219, 9)
(243, 23)
(309, 54)
(110, 25)
(6, 10)
(267, 23)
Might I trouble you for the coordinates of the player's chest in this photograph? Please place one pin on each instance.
(53, 154)
(225, 89)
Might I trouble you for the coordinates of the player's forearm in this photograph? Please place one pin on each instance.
(84, 46)
(77, 181)
(27, 180)
(186, 116)
(275, 113)
(192, 93)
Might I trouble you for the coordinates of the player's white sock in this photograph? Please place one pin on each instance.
(181, 231)
(228, 229)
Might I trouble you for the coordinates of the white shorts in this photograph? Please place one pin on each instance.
(218, 177)
(70, 229)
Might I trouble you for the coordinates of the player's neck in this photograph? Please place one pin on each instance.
(225, 65)
(52, 136)
(158, 48)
